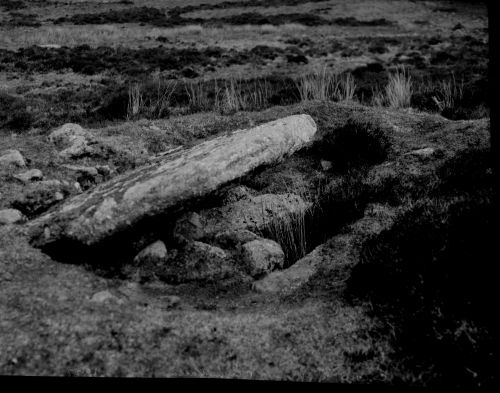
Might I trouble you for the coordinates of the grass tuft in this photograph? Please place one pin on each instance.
(449, 94)
(324, 85)
(399, 89)
(150, 99)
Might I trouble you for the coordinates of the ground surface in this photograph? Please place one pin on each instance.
(55, 319)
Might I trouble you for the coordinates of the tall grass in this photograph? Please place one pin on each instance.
(399, 89)
(449, 94)
(325, 85)
(291, 226)
(234, 95)
(151, 99)
(199, 96)
(232, 98)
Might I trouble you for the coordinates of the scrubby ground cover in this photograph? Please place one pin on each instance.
(400, 217)
(444, 50)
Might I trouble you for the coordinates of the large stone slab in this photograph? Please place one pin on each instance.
(169, 181)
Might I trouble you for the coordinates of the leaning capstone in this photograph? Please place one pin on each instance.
(10, 216)
(30, 175)
(165, 184)
(261, 256)
(12, 157)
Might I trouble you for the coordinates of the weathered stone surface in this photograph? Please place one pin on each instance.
(197, 262)
(87, 176)
(284, 281)
(232, 239)
(154, 253)
(189, 227)
(261, 256)
(105, 296)
(12, 158)
(73, 140)
(237, 193)
(30, 175)
(252, 214)
(104, 170)
(39, 196)
(10, 216)
(163, 185)
(249, 213)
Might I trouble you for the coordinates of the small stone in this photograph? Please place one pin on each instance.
(12, 157)
(59, 196)
(197, 262)
(10, 216)
(262, 256)
(326, 165)
(104, 296)
(30, 175)
(64, 135)
(154, 253)
(104, 170)
(73, 139)
(77, 187)
(425, 152)
(189, 227)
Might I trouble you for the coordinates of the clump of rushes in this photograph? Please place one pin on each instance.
(449, 94)
(198, 96)
(399, 89)
(150, 99)
(325, 85)
(289, 228)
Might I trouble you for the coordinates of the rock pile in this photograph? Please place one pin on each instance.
(165, 184)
